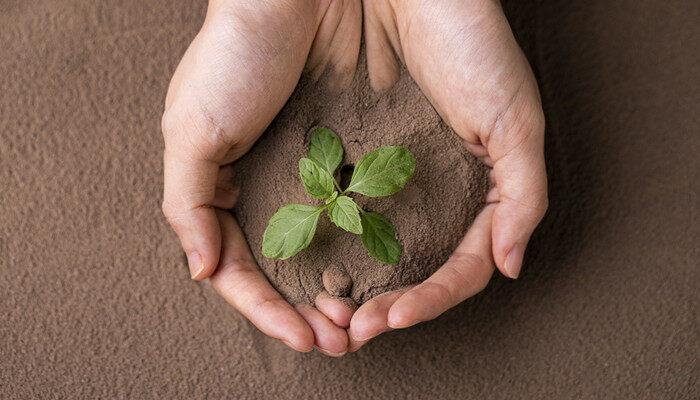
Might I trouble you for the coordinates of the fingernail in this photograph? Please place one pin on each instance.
(355, 345)
(395, 322)
(194, 261)
(330, 353)
(360, 338)
(514, 261)
(295, 348)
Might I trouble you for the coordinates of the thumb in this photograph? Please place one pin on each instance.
(521, 185)
(189, 190)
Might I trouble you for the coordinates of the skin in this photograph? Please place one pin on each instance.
(240, 70)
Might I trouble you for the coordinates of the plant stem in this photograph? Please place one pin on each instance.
(335, 183)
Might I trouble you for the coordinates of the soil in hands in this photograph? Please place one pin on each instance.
(431, 214)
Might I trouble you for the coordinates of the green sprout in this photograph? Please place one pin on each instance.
(381, 172)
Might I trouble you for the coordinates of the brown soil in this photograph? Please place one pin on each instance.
(431, 213)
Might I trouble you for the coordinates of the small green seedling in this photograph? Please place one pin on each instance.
(381, 172)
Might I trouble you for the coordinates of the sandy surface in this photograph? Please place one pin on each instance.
(95, 300)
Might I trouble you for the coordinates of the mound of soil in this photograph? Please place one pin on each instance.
(431, 214)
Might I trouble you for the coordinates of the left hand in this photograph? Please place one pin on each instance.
(235, 76)
(465, 59)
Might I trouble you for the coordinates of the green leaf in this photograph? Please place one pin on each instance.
(325, 149)
(290, 230)
(345, 214)
(379, 238)
(332, 197)
(383, 172)
(317, 182)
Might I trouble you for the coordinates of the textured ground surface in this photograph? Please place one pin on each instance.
(95, 301)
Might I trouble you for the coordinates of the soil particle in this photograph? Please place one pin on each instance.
(336, 282)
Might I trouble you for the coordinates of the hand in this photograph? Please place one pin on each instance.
(234, 78)
(463, 56)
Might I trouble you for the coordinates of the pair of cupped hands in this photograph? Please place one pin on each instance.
(240, 70)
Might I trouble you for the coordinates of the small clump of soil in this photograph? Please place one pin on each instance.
(431, 214)
(337, 282)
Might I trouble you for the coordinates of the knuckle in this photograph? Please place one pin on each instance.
(534, 211)
(241, 264)
(197, 129)
(465, 268)
(170, 213)
(210, 130)
(526, 131)
(166, 209)
(439, 294)
(258, 309)
(521, 124)
(168, 123)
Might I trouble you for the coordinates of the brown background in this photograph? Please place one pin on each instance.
(95, 300)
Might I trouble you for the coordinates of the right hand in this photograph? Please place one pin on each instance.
(234, 78)
(463, 56)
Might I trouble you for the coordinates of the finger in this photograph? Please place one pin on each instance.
(370, 319)
(190, 182)
(328, 338)
(521, 180)
(225, 197)
(466, 273)
(337, 309)
(336, 46)
(243, 285)
(492, 178)
(492, 196)
(477, 149)
(480, 152)
(382, 45)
